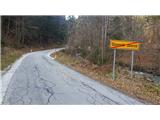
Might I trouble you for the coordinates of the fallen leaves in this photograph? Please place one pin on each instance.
(138, 87)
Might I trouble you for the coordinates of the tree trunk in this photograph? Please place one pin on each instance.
(8, 28)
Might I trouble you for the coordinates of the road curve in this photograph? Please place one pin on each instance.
(41, 80)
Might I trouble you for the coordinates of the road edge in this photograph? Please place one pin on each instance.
(53, 51)
(7, 75)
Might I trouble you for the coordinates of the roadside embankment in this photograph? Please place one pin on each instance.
(141, 86)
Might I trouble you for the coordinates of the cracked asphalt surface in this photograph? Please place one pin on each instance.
(41, 80)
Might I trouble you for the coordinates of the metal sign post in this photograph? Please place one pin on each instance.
(132, 60)
(125, 45)
(114, 62)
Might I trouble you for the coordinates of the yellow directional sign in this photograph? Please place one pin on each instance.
(126, 45)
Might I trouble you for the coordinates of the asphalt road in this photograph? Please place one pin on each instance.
(41, 80)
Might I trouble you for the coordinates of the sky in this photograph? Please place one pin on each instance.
(76, 16)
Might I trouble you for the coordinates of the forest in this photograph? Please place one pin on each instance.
(23, 34)
(85, 43)
(88, 37)
(20, 31)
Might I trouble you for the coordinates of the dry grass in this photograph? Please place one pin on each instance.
(137, 87)
(146, 61)
(9, 56)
